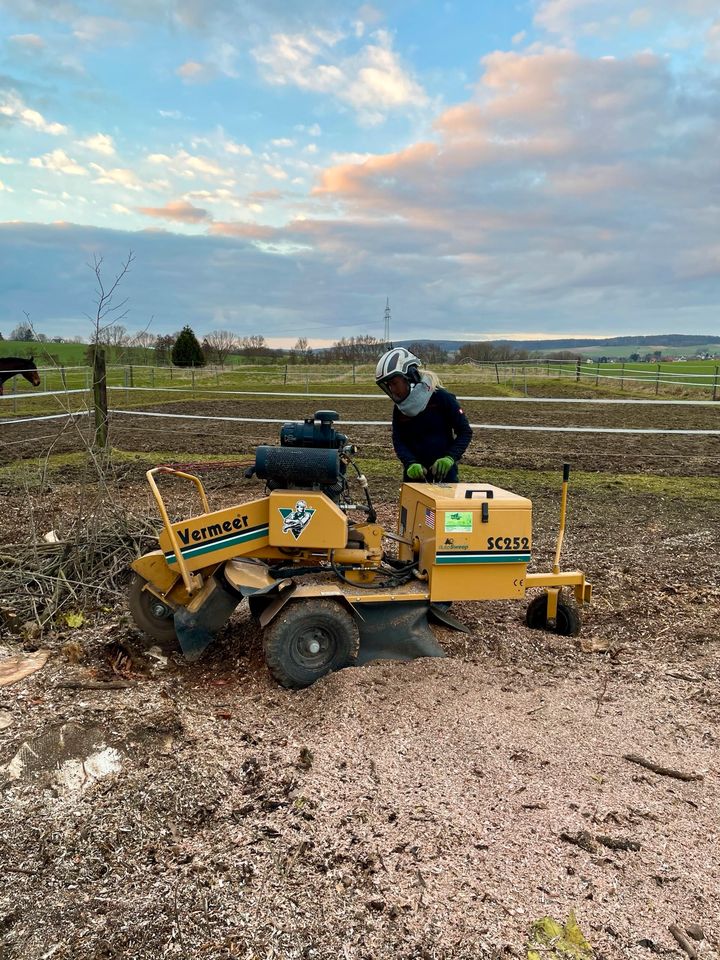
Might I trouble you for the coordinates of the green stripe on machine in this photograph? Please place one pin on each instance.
(210, 547)
(483, 558)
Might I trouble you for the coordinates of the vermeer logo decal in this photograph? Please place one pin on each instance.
(295, 521)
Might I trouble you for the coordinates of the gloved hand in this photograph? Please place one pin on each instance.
(415, 471)
(442, 467)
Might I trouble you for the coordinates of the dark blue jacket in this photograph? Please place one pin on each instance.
(441, 430)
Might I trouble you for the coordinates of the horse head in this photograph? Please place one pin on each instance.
(31, 373)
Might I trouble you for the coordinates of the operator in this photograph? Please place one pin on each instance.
(430, 432)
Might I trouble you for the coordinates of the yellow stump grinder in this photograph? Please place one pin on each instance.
(332, 592)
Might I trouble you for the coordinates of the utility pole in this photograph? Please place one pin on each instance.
(387, 323)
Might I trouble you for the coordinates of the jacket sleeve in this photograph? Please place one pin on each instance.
(402, 451)
(460, 427)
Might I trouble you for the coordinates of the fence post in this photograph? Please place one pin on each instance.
(100, 398)
(577, 370)
(63, 378)
(622, 377)
(524, 373)
(715, 384)
(497, 373)
(192, 374)
(171, 368)
(152, 376)
(657, 380)
(547, 370)
(285, 378)
(353, 371)
(132, 381)
(597, 375)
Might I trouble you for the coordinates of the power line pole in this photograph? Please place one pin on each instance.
(387, 323)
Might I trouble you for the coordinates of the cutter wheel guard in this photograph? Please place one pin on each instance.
(328, 585)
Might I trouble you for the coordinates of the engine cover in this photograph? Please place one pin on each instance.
(474, 539)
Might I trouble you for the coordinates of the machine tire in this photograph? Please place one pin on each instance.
(144, 608)
(567, 622)
(301, 623)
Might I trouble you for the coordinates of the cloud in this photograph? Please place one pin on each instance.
(564, 181)
(570, 19)
(59, 162)
(28, 41)
(15, 109)
(712, 40)
(372, 81)
(116, 176)
(238, 149)
(99, 143)
(193, 72)
(251, 231)
(179, 211)
(188, 165)
(101, 30)
(277, 173)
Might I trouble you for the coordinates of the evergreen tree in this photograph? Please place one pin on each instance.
(187, 351)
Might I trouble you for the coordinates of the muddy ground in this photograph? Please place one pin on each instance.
(433, 809)
(188, 429)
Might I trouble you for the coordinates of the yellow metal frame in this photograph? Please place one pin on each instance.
(193, 581)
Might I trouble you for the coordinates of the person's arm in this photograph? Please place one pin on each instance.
(402, 451)
(460, 426)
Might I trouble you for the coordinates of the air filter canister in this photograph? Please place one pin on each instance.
(297, 466)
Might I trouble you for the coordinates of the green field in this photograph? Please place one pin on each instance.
(62, 367)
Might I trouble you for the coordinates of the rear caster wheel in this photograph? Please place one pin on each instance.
(567, 622)
(152, 616)
(309, 639)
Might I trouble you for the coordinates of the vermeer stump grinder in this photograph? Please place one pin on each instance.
(324, 588)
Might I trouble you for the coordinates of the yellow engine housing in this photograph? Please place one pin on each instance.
(474, 540)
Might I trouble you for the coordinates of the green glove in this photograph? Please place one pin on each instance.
(415, 471)
(442, 467)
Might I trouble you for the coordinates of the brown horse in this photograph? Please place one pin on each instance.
(12, 366)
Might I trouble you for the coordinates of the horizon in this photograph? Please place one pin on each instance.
(282, 171)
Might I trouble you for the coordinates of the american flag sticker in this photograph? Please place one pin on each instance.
(430, 519)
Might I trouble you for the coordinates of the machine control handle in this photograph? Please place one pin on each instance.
(566, 472)
(488, 493)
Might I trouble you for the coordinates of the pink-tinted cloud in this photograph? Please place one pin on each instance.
(249, 231)
(179, 211)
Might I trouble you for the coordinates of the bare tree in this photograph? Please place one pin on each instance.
(144, 339)
(108, 313)
(23, 331)
(163, 347)
(219, 344)
(301, 351)
(429, 352)
(362, 349)
(254, 345)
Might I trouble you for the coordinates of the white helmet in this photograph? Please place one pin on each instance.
(397, 362)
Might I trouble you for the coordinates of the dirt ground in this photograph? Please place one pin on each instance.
(431, 809)
(680, 455)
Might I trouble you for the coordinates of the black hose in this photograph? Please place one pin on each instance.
(395, 580)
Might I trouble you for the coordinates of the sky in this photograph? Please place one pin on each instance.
(540, 169)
